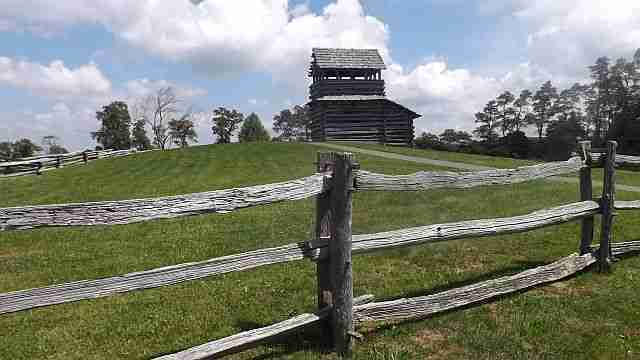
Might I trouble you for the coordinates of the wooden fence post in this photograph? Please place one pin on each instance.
(607, 207)
(324, 163)
(340, 253)
(586, 193)
(85, 157)
(59, 161)
(38, 168)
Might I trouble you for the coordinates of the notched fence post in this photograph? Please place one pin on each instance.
(324, 163)
(586, 194)
(340, 253)
(607, 207)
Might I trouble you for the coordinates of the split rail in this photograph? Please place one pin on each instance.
(338, 177)
(36, 165)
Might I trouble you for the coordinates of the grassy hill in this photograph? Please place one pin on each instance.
(589, 316)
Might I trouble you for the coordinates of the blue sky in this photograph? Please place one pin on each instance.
(61, 61)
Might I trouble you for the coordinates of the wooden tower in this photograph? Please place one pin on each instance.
(348, 102)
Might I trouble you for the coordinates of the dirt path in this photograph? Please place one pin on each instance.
(452, 164)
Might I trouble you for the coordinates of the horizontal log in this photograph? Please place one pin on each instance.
(622, 248)
(252, 338)
(623, 161)
(164, 276)
(627, 205)
(423, 306)
(426, 180)
(131, 211)
(88, 289)
(465, 229)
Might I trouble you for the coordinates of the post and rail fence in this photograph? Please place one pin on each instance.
(36, 165)
(338, 176)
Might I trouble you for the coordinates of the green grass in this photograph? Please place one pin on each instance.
(589, 316)
(626, 177)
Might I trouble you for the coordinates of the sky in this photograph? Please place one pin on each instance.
(61, 61)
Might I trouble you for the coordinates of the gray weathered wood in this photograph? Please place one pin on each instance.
(88, 289)
(169, 275)
(423, 306)
(252, 338)
(468, 229)
(622, 248)
(622, 161)
(627, 205)
(131, 211)
(586, 193)
(426, 180)
(607, 207)
(340, 253)
(323, 231)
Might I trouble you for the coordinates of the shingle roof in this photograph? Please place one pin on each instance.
(347, 58)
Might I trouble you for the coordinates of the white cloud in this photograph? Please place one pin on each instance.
(54, 79)
(142, 87)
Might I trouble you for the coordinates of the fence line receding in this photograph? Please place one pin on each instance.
(336, 179)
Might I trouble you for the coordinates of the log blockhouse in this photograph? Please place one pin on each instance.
(348, 100)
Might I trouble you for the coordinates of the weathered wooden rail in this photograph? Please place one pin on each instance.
(336, 179)
(36, 165)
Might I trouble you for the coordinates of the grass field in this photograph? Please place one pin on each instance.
(589, 316)
(626, 177)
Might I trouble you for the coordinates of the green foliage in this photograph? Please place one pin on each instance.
(6, 150)
(57, 149)
(225, 123)
(114, 132)
(252, 130)
(451, 136)
(562, 137)
(293, 124)
(139, 139)
(427, 141)
(18, 149)
(182, 131)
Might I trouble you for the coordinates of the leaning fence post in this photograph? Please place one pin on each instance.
(323, 233)
(586, 194)
(607, 207)
(340, 253)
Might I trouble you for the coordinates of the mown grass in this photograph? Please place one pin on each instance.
(589, 316)
(626, 177)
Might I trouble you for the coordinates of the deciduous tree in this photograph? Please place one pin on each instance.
(114, 132)
(225, 123)
(252, 130)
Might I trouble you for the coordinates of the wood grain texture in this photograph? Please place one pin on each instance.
(586, 193)
(426, 180)
(423, 306)
(622, 248)
(472, 228)
(89, 289)
(627, 205)
(607, 207)
(255, 337)
(131, 211)
(92, 289)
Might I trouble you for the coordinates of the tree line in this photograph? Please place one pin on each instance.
(607, 108)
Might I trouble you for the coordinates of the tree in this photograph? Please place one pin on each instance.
(23, 148)
(57, 149)
(505, 111)
(427, 141)
(182, 131)
(599, 103)
(225, 123)
(451, 136)
(522, 109)
(139, 139)
(252, 130)
(156, 110)
(114, 132)
(544, 106)
(487, 121)
(6, 151)
(293, 124)
(284, 124)
(562, 137)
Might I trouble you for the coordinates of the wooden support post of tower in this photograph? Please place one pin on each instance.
(340, 253)
(607, 207)
(324, 163)
(586, 194)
